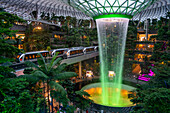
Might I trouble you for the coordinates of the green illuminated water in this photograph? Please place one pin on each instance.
(112, 37)
(95, 92)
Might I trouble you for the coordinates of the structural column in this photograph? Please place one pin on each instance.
(80, 72)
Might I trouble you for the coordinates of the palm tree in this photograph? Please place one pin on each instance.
(49, 73)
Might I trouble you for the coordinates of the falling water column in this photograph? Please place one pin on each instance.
(112, 37)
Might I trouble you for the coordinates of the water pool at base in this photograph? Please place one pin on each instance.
(95, 92)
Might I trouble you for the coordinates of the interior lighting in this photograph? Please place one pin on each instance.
(39, 28)
(111, 74)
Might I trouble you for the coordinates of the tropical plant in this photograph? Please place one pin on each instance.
(15, 95)
(153, 96)
(80, 99)
(49, 73)
(37, 40)
(6, 22)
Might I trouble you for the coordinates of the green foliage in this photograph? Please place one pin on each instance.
(158, 100)
(161, 53)
(48, 48)
(28, 70)
(153, 97)
(60, 98)
(7, 72)
(74, 37)
(70, 88)
(49, 73)
(37, 40)
(16, 97)
(130, 46)
(78, 34)
(7, 50)
(152, 100)
(161, 79)
(81, 100)
(6, 21)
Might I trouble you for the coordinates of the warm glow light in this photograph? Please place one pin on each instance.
(142, 37)
(95, 92)
(22, 36)
(89, 73)
(39, 28)
(111, 74)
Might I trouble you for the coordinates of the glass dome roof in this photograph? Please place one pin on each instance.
(24, 8)
(96, 8)
(155, 11)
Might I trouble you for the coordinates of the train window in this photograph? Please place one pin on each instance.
(80, 51)
(26, 57)
(72, 52)
(33, 56)
(30, 57)
(45, 54)
(77, 51)
(90, 49)
(60, 52)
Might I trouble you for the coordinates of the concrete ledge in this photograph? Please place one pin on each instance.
(80, 58)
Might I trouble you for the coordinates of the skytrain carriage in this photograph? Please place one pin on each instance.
(59, 51)
(90, 49)
(73, 52)
(96, 48)
(30, 55)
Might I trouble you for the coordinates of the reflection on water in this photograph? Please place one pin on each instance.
(95, 91)
(96, 96)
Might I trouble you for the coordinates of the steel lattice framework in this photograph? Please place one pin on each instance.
(99, 8)
(24, 8)
(155, 11)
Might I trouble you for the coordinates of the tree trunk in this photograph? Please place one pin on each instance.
(48, 96)
(52, 104)
(44, 97)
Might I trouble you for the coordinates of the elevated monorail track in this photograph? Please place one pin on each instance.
(68, 61)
